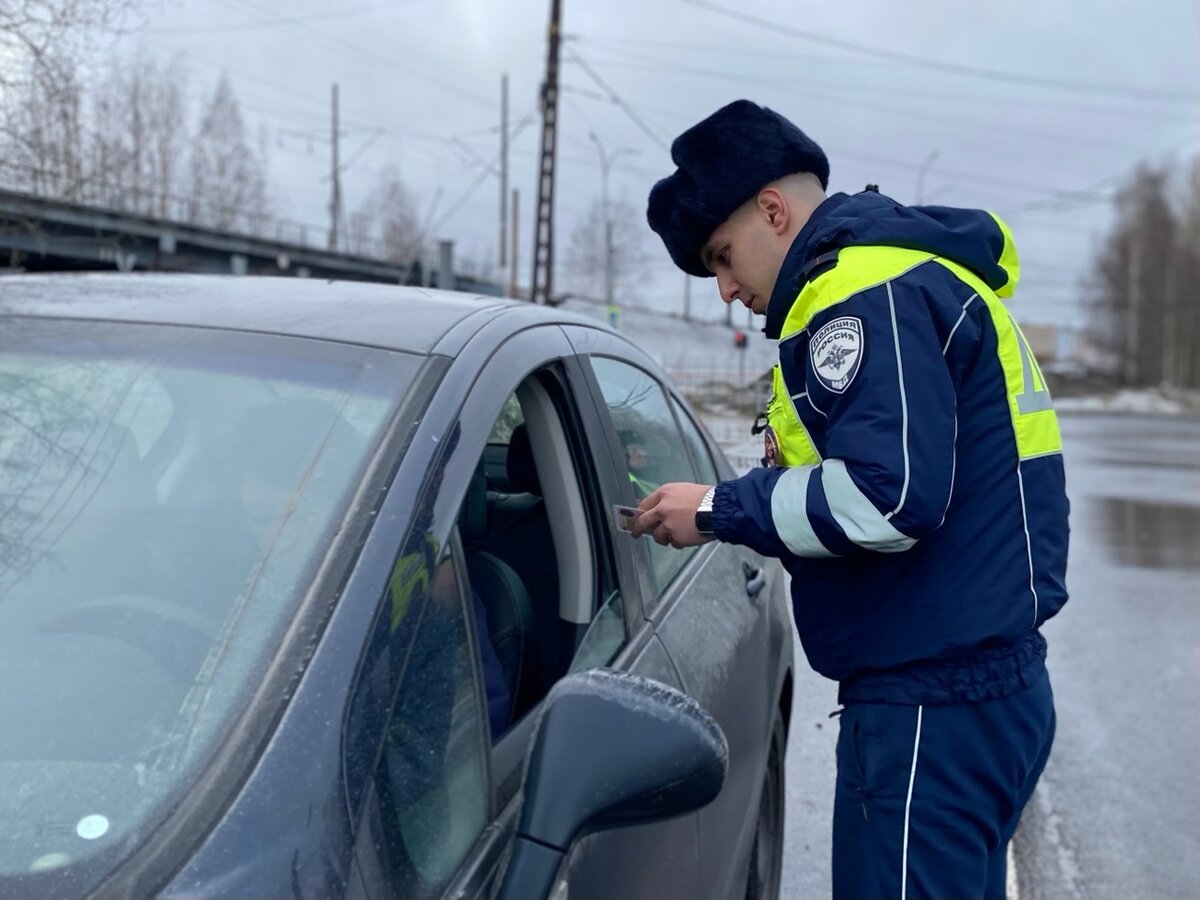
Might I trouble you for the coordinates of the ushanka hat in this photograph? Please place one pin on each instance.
(723, 162)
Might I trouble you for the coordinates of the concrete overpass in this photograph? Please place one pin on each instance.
(38, 234)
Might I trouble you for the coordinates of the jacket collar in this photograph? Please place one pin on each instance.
(802, 261)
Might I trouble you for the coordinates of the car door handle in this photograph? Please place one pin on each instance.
(756, 578)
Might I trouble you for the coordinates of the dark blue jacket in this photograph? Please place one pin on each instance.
(923, 517)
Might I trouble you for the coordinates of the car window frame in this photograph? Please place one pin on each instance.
(368, 867)
(509, 751)
(480, 391)
(654, 599)
(589, 340)
(682, 410)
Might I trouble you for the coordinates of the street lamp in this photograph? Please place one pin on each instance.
(606, 162)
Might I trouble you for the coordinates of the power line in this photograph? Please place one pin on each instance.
(829, 95)
(366, 51)
(981, 178)
(363, 148)
(709, 49)
(271, 110)
(292, 20)
(616, 98)
(637, 61)
(1067, 201)
(1081, 87)
(489, 169)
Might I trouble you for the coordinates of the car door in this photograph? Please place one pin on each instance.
(439, 821)
(709, 605)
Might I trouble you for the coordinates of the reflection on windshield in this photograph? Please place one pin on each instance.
(164, 500)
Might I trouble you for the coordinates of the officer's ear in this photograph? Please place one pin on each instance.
(773, 207)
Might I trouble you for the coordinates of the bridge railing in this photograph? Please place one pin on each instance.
(76, 185)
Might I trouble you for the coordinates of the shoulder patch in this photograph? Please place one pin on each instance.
(836, 351)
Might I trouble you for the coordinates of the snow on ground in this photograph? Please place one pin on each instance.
(689, 350)
(1142, 401)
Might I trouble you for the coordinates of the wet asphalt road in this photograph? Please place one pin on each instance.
(1117, 812)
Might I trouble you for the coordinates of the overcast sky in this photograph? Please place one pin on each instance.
(1027, 108)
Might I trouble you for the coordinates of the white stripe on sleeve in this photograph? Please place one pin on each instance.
(903, 401)
(789, 512)
(862, 522)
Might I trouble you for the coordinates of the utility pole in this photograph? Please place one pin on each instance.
(687, 297)
(541, 287)
(512, 272)
(335, 200)
(503, 169)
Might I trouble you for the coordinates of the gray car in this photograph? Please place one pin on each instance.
(289, 574)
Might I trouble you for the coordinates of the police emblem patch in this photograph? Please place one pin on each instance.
(836, 351)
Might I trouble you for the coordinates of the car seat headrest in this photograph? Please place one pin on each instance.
(522, 472)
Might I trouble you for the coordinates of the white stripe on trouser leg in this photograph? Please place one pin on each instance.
(912, 776)
(858, 517)
(789, 513)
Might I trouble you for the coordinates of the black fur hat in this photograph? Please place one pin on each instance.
(723, 161)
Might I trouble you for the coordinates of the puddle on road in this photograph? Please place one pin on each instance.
(1153, 535)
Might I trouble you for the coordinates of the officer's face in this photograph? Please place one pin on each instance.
(745, 254)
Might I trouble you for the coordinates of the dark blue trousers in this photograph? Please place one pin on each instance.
(928, 796)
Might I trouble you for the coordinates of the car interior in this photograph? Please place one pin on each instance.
(526, 529)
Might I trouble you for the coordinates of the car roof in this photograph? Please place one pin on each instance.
(411, 319)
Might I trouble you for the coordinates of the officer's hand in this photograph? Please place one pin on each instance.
(669, 515)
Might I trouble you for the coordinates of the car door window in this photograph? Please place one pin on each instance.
(543, 619)
(696, 443)
(432, 778)
(604, 637)
(655, 451)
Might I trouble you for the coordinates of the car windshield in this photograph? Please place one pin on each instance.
(166, 495)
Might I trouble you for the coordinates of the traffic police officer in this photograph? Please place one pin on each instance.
(918, 501)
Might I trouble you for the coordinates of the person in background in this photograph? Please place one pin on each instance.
(637, 457)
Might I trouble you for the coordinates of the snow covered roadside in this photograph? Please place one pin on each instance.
(732, 432)
(1136, 401)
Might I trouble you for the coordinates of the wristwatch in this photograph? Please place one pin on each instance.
(704, 512)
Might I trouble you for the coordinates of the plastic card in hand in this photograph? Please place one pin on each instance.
(625, 516)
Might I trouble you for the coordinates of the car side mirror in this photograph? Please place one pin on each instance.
(609, 749)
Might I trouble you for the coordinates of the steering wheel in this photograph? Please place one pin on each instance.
(176, 637)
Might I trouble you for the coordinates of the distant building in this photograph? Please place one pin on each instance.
(1044, 341)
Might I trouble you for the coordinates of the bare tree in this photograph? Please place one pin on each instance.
(359, 232)
(586, 257)
(52, 33)
(228, 181)
(1146, 280)
(114, 140)
(44, 131)
(385, 224)
(1186, 284)
(44, 46)
(166, 122)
